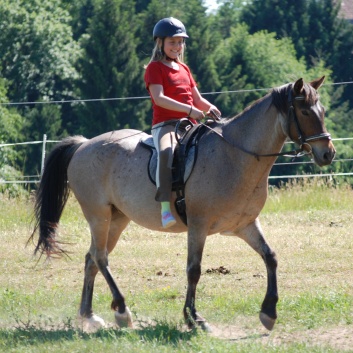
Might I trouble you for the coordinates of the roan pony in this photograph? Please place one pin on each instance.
(224, 194)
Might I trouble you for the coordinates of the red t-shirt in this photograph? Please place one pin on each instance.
(177, 84)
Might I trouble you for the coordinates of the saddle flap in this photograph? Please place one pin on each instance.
(152, 164)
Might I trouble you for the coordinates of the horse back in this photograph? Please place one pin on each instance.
(108, 161)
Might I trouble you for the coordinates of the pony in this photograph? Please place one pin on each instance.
(224, 194)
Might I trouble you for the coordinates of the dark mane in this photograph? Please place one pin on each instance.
(280, 97)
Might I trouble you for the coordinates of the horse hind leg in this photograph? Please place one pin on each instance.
(119, 221)
(253, 235)
(89, 322)
(105, 231)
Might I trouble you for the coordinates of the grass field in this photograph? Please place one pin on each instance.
(308, 225)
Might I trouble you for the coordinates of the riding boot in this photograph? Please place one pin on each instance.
(164, 188)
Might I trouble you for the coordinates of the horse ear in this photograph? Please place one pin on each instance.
(298, 87)
(317, 83)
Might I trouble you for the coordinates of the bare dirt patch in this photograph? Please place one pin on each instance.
(337, 338)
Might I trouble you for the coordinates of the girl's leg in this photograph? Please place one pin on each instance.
(164, 141)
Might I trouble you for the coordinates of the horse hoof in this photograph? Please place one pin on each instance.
(267, 321)
(201, 323)
(91, 324)
(124, 319)
(205, 327)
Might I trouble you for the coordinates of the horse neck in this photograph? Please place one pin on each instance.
(258, 129)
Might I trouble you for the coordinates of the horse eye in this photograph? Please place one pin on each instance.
(305, 112)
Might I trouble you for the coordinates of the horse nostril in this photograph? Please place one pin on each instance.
(329, 155)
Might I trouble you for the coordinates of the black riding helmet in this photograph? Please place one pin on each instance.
(169, 27)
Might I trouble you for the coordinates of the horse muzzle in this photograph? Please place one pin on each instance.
(323, 152)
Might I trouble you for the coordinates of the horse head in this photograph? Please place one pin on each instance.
(306, 121)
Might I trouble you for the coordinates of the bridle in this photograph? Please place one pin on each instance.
(302, 139)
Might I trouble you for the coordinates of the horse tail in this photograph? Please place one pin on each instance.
(52, 194)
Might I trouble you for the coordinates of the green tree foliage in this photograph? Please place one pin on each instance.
(81, 12)
(10, 156)
(38, 57)
(318, 33)
(286, 18)
(37, 53)
(110, 69)
(248, 62)
(10, 128)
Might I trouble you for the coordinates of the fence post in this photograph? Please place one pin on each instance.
(43, 153)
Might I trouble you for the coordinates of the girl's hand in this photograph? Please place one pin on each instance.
(214, 113)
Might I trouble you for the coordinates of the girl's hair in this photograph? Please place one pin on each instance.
(159, 55)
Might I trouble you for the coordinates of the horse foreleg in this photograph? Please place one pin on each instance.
(196, 243)
(253, 235)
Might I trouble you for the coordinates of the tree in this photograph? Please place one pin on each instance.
(10, 127)
(227, 16)
(37, 52)
(248, 62)
(286, 18)
(81, 12)
(110, 69)
(317, 32)
(38, 57)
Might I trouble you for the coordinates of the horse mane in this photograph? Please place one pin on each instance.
(279, 99)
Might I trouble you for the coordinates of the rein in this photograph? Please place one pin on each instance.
(301, 137)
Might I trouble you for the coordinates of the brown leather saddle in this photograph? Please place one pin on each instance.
(185, 156)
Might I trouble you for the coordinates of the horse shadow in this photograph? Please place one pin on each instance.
(164, 333)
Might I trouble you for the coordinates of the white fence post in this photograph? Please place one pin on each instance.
(43, 153)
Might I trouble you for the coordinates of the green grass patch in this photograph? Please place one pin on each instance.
(309, 194)
(315, 309)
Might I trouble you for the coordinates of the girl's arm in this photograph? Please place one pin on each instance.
(163, 101)
(203, 103)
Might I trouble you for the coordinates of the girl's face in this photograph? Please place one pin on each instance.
(173, 46)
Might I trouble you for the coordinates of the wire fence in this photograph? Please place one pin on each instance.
(148, 97)
(34, 179)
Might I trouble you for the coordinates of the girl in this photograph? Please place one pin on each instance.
(174, 96)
